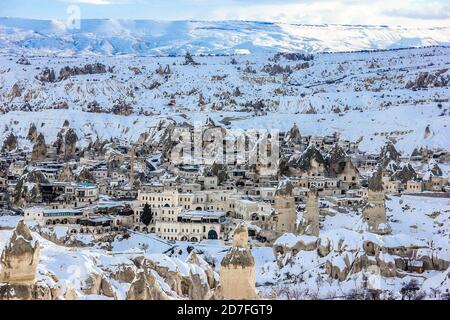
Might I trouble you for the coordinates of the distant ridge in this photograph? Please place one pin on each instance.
(150, 37)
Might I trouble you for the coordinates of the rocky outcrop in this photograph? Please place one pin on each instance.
(293, 56)
(90, 68)
(38, 291)
(434, 169)
(122, 107)
(337, 266)
(20, 257)
(310, 162)
(237, 269)
(194, 284)
(285, 209)
(405, 174)
(340, 165)
(310, 221)
(27, 188)
(10, 143)
(85, 176)
(429, 80)
(46, 75)
(291, 244)
(65, 144)
(145, 287)
(189, 60)
(39, 149)
(275, 69)
(257, 106)
(66, 174)
(375, 211)
(293, 136)
(389, 154)
(23, 61)
(32, 133)
(16, 91)
(98, 284)
(194, 259)
(375, 181)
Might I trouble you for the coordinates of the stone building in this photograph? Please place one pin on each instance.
(191, 226)
(285, 209)
(237, 270)
(375, 211)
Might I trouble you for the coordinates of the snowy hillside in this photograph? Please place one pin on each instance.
(401, 94)
(147, 37)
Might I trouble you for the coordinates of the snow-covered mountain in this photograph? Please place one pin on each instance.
(147, 37)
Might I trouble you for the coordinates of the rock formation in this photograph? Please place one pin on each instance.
(195, 284)
(285, 209)
(39, 149)
(210, 274)
(433, 169)
(90, 68)
(389, 154)
(188, 59)
(27, 188)
(24, 61)
(66, 174)
(145, 287)
(404, 174)
(85, 176)
(429, 80)
(46, 75)
(16, 91)
(237, 270)
(310, 162)
(341, 166)
(19, 259)
(375, 211)
(65, 143)
(10, 143)
(310, 222)
(293, 137)
(32, 133)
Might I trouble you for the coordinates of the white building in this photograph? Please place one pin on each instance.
(192, 226)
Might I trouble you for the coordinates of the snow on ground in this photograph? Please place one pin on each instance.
(9, 222)
(360, 95)
(413, 220)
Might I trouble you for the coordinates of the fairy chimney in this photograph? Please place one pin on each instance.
(375, 211)
(237, 270)
(310, 222)
(20, 257)
(285, 207)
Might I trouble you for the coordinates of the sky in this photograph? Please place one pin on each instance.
(408, 13)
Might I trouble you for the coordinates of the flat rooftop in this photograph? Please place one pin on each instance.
(201, 214)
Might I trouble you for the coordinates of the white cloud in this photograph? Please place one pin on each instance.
(376, 12)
